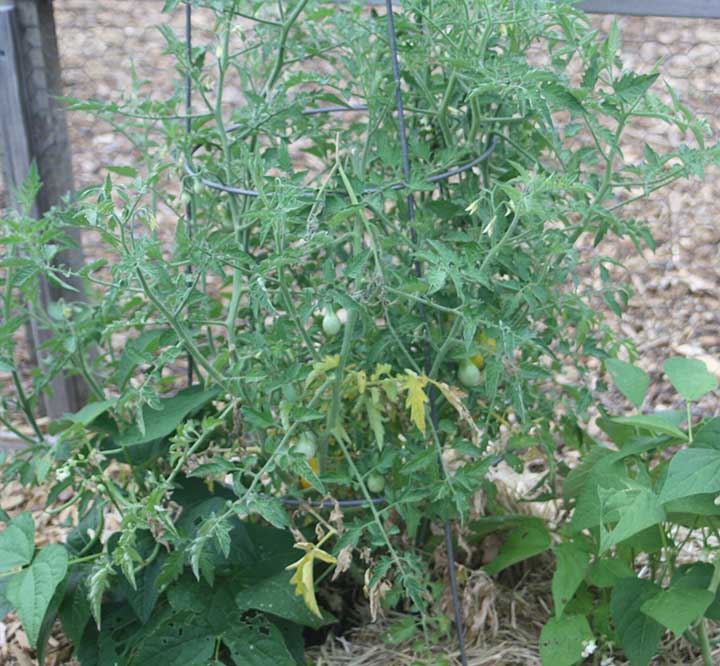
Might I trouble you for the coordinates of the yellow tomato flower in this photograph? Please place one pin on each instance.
(303, 579)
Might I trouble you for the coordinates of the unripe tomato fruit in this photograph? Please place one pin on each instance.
(468, 374)
(375, 483)
(306, 446)
(331, 324)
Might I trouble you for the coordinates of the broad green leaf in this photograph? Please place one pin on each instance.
(707, 435)
(639, 635)
(5, 605)
(90, 412)
(571, 565)
(690, 377)
(563, 639)
(692, 472)
(258, 645)
(630, 380)
(524, 542)
(276, 595)
(655, 423)
(31, 590)
(17, 543)
(697, 576)
(632, 509)
(164, 422)
(179, 641)
(607, 572)
(630, 86)
(678, 607)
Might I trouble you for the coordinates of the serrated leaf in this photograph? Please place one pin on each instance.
(31, 590)
(416, 398)
(563, 639)
(630, 380)
(690, 377)
(17, 543)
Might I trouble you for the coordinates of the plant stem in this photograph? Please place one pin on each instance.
(181, 332)
(705, 643)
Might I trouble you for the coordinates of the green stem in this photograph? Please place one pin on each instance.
(280, 58)
(705, 647)
(181, 332)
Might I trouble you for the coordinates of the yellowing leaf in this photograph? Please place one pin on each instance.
(376, 422)
(361, 381)
(416, 398)
(455, 397)
(303, 579)
(322, 367)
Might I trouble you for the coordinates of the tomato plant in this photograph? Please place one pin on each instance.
(207, 366)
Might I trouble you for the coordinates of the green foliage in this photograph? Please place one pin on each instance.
(630, 506)
(327, 308)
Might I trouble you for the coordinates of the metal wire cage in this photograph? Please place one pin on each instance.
(238, 190)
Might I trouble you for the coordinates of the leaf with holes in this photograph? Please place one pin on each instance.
(563, 640)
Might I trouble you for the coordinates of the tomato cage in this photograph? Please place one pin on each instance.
(405, 186)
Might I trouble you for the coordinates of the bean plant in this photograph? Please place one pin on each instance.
(329, 356)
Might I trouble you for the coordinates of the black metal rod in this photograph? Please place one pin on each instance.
(189, 211)
(457, 608)
(240, 191)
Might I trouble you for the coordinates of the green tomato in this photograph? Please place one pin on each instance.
(375, 483)
(468, 374)
(306, 445)
(331, 324)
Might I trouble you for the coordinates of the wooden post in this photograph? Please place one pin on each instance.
(33, 127)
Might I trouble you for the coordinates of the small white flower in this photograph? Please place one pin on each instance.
(716, 501)
(589, 648)
(62, 473)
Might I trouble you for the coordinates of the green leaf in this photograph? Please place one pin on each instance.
(563, 639)
(178, 641)
(655, 423)
(258, 644)
(632, 509)
(690, 377)
(678, 607)
(127, 171)
(91, 411)
(639, 635)
(276, 595)
(697, 576)
(17, 543)
(529, 540)
(630, 86)
(163, 422)
(630, 380)
(692, 472)
(31, 590)
(607, 572)
(571, 565)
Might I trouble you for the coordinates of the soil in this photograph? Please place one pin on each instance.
(675, 310)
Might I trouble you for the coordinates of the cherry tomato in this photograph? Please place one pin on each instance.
(375, 483)
(331, 324)
(468, 374)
